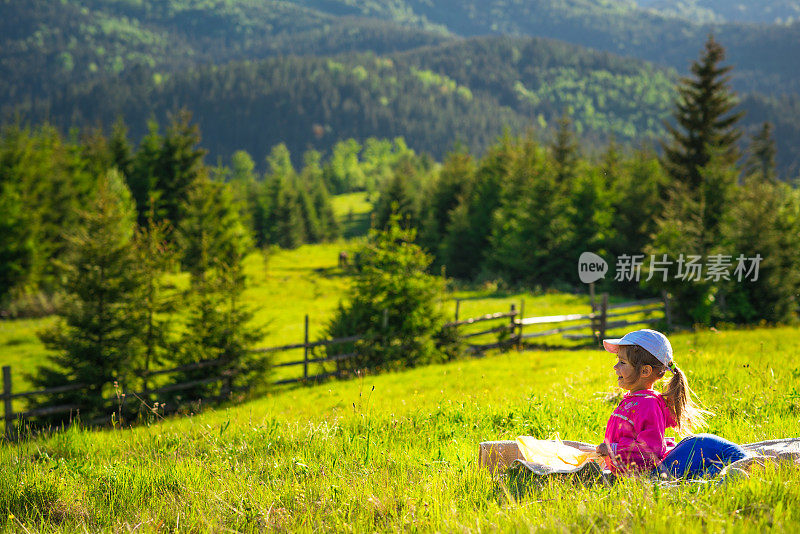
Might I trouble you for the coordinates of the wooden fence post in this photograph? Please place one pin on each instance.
(458, 305)
(603, 317)
(519, 324)
(305, 350)
(9, 410)
(513, 325)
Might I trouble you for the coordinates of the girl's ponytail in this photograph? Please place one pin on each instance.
(678, 397)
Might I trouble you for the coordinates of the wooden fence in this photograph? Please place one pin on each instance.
(510, 333)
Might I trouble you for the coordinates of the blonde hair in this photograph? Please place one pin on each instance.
(678, 395)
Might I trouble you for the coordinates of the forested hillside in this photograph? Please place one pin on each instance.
(47, 45)
(345, 69)
(765, 56)
(755, 11)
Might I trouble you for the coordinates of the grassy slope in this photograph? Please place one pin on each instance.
(398, 451)
(291, 284)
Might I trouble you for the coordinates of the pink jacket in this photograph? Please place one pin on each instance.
(635, 431)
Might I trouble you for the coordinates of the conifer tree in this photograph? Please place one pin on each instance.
(16, 240)
(763, 222)
(93, 342)
(466, 243)
(452, 182)
(398, 197)
(120, 149)
(761, 154)
(144, 170)
(154, 255)
(218, 325)
(392, 304)
(701, 160)
(165, 168)
(211, 230)
(565, 151)
(704, 120)
(180, 165)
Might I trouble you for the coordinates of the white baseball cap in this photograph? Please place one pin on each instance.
(653, 342)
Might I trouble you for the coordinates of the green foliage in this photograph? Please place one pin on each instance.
(705, 125)
(701, 159)
(763, 221)
(218, 323)
(94, 340)
(392, 304)
(165, 168)
(16, 243)
(156, 300)
(449, 186)
(293, 209)
(530, 229)
(51, 178)
(398, 441)
(211, 230)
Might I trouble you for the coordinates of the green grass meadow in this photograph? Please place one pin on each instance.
(398, 451)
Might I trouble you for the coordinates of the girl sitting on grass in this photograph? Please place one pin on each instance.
(634, 439)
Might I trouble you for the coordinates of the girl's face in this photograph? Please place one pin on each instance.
(627, 375)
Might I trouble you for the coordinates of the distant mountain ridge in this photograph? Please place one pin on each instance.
(748, 11)
(766, 57)
(85, 62)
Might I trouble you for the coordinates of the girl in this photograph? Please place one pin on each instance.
(634, 438)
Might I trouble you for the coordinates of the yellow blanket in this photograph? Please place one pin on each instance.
(554, 453)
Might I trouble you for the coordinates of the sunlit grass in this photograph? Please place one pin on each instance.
(398, 451)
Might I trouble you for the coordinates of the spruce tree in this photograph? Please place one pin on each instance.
(705, 120)
(93, 342)
(16, 240)
(565, 152)
(154, 256)
(393, 303)
(214, 243)
(467, 241)
(452, 182)
(701, 161)
(165, 168)
(180, 165)
(761, 154)
(212, 229)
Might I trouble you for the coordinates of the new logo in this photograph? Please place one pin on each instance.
(591, 267)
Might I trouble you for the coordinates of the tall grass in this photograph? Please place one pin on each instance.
(399, 452)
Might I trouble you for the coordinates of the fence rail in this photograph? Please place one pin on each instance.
(597, 325)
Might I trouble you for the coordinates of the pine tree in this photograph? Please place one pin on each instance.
(180, 165)
(761, 154)
(144, 170)
(16, 240)
(763, 222)
(120, 149)
(211, 230)
(446, 192)
(531, 237)
(165, 168)
(392, 304)
(154, 256)
(467, 241)
(704, 118)
(215, 243)
(565, 151)
(93, 340)
(701, 160)
(398, 198)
